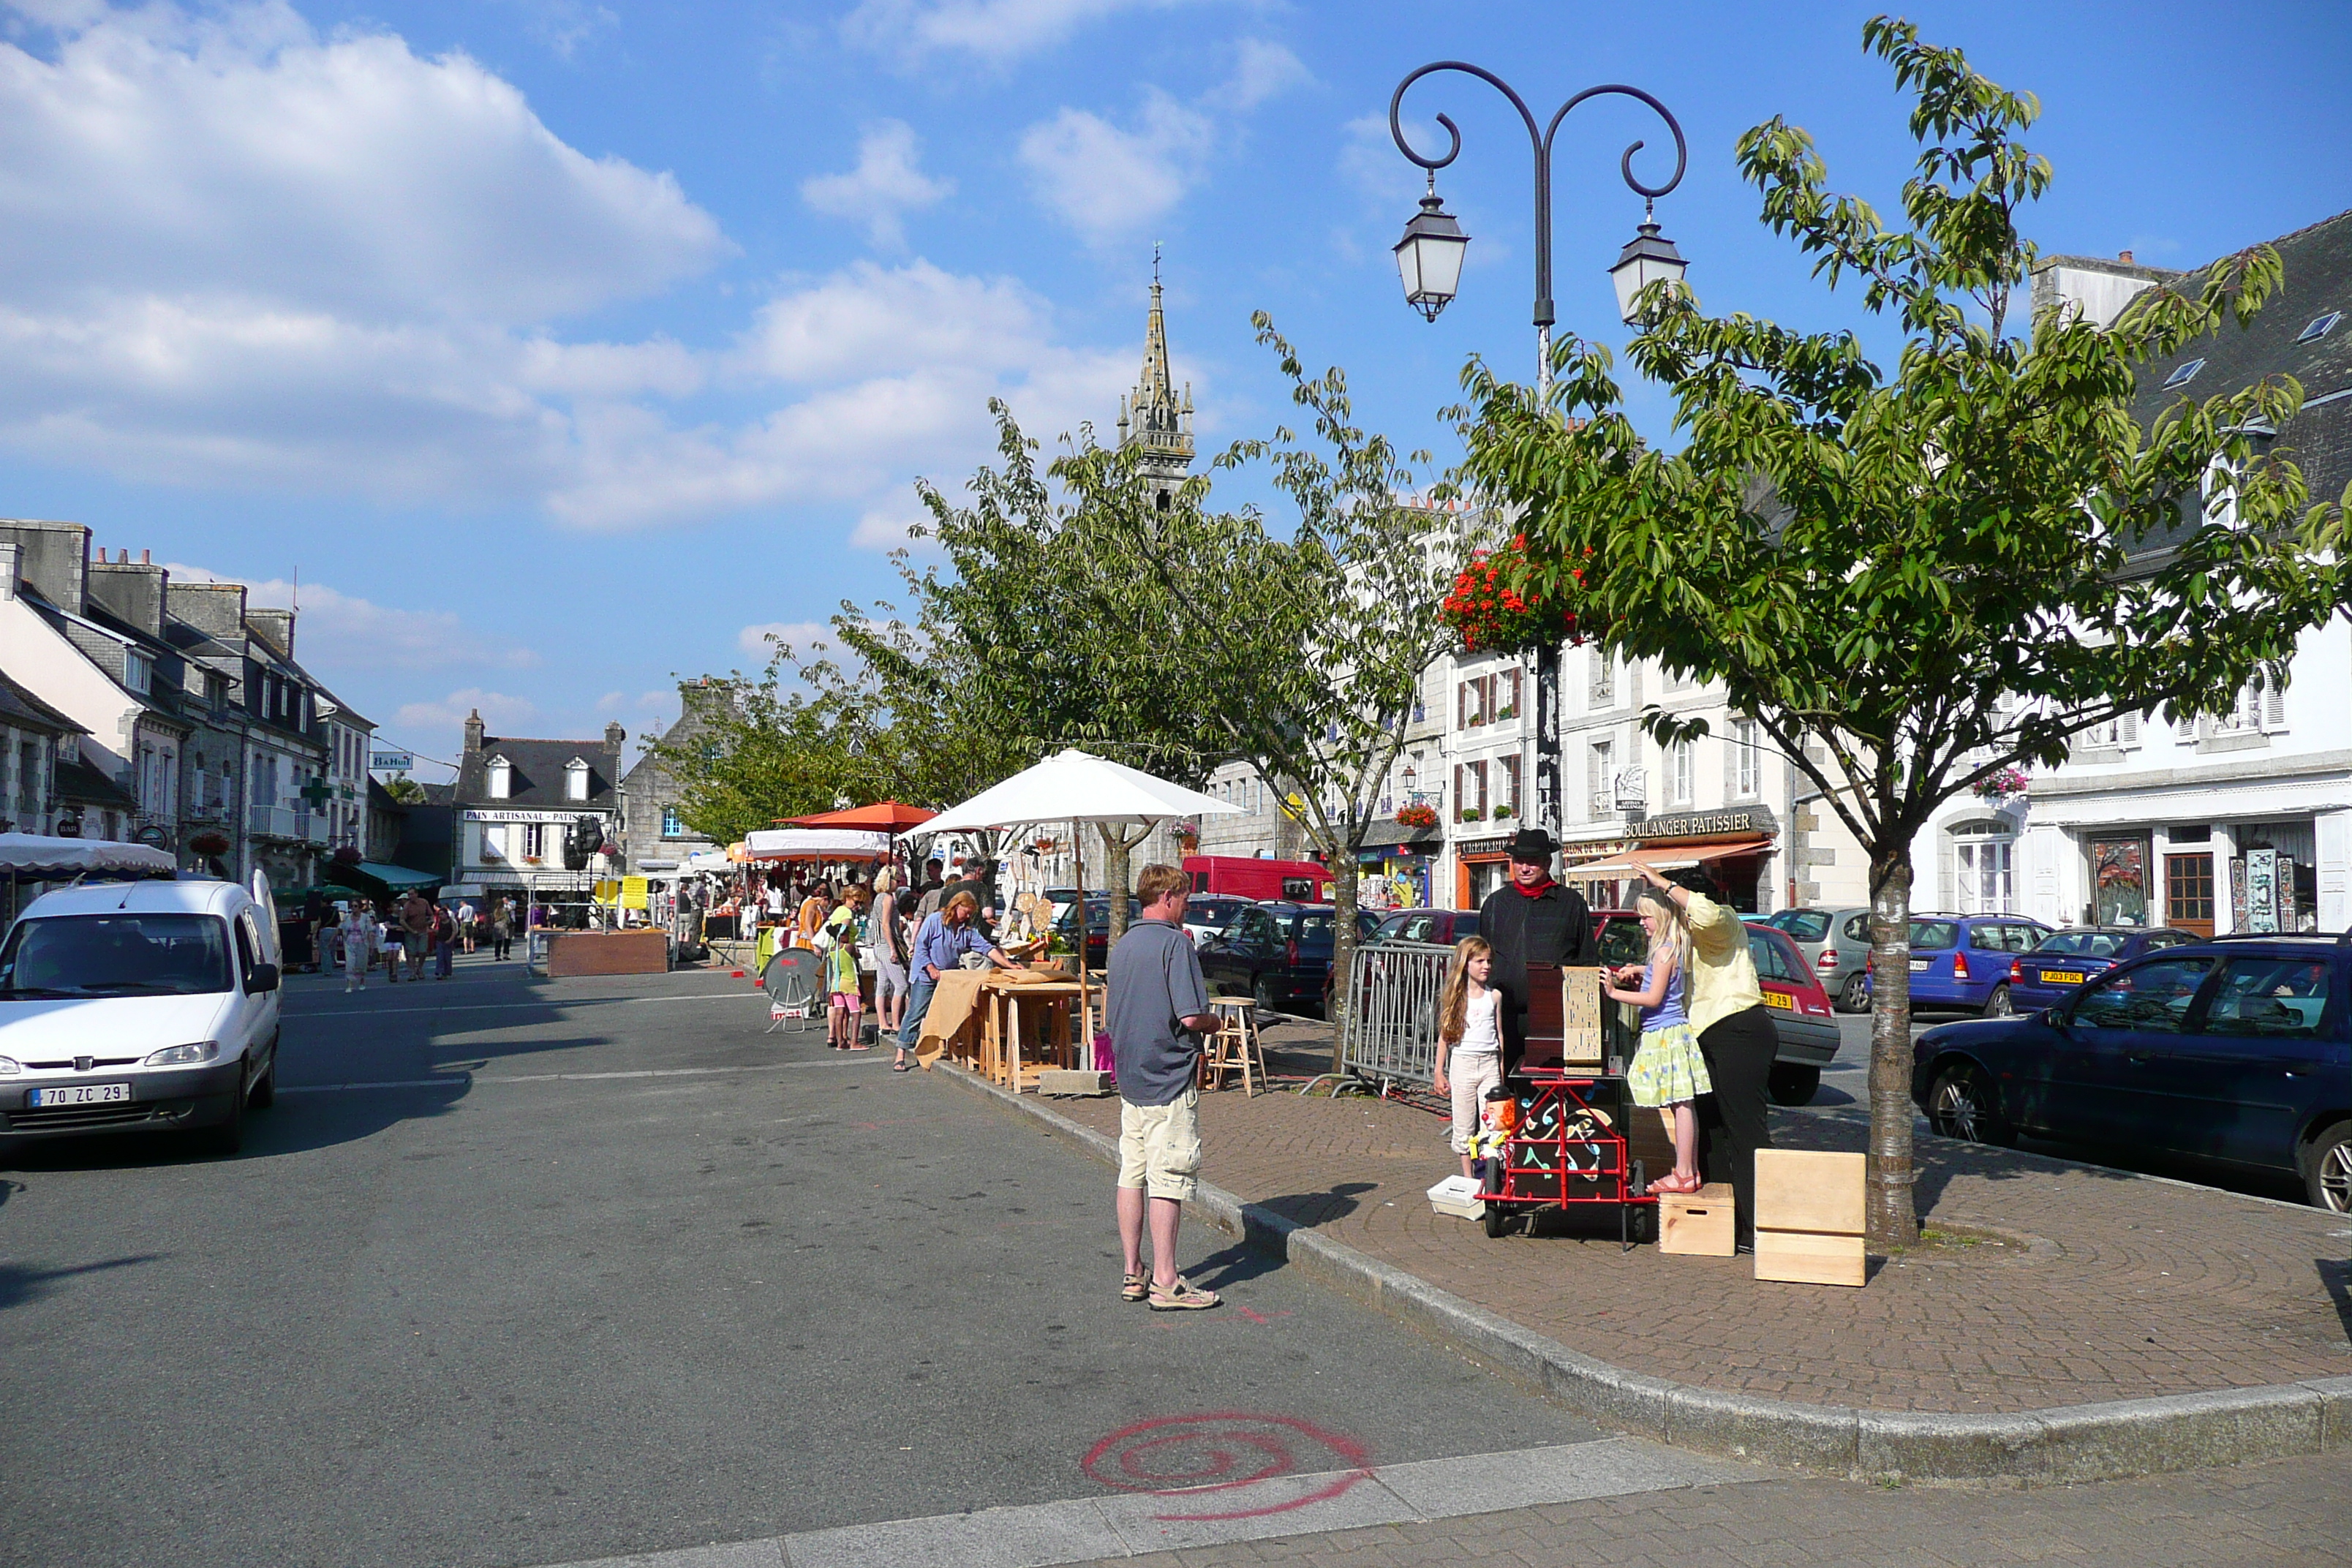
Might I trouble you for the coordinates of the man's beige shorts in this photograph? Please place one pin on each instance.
(1160, 1146)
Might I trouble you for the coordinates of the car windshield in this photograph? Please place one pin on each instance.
(1934, 933)
(1621, 941)
(2084, 943)
(1805, 925)
(116, 956)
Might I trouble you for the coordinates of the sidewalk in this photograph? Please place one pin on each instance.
(2043, 1284)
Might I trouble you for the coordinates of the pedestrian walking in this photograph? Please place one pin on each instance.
(1669, 1072)
(1469, 1038)
(444, 940)
(358, 931)
(845, 1008)
(502, 929)
(388, 943)
(1531, 920)
(1158, 1010)
(941, 946)
(417, 931)
(886, 933)
(1734, 1038)
(467, 918)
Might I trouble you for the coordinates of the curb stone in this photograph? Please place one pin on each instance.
(2064, 1444)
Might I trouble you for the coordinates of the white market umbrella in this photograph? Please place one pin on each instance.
(1077, 787)
(815, 844)
(36, 857)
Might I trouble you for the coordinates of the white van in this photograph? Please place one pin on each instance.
(139, 1006)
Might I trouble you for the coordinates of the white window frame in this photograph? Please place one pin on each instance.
(1747, 761)
(501, 779)
(575, 780)
(1601, 777)
(138, 671)
(1681, 772)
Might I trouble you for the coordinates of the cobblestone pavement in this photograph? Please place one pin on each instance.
(2053, 1283)
(2281, 1515)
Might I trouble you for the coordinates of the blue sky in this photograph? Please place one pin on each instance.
(563, 347)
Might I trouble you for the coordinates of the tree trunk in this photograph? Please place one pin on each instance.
(1118, 879)
(1894, 1220)
(1343, 953)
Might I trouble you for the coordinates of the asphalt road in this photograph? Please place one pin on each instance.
(528, 1271)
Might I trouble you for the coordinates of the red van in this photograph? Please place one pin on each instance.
(1299, 882)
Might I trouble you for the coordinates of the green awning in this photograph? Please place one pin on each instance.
(378, 880)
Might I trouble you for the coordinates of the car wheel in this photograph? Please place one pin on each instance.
(2327, 1170)
(1854, 996)
(225, 1137)
(1998, 1005)
(265, 1088)
(1792, 1084)
(1264, 993)
(1961, 1105)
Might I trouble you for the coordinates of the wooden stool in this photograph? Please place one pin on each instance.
(1234, 1044)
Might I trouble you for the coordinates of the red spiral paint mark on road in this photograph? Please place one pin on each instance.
(1176, 1455)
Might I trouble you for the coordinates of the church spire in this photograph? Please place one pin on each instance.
(1153, 419)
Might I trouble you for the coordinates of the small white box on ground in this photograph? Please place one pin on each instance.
(1458, 1196)
(1073, 1080)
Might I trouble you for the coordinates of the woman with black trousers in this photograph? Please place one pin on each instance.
(1735, 1036)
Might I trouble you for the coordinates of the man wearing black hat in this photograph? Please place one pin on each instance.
(1531, 920)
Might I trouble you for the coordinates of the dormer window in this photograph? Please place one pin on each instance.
(502, 778)
(575, 780)
(138, 671)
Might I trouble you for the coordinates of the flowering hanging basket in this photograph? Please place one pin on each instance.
(1493, 608)
(209, 843)
(1416, 817)
(2003, 786)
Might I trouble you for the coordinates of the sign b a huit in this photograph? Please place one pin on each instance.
(392, 762)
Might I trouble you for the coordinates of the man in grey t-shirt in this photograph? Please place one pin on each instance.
(1158, 1009)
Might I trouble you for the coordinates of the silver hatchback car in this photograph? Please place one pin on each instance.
(1836, 942)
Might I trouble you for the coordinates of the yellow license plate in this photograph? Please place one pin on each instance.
(1774, 999)
(2062, 977)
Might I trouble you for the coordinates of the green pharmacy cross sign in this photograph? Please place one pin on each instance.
(317, 793)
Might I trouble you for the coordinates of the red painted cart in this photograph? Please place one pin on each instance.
(1568, 1150)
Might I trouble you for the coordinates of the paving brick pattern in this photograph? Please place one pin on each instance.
(2284, 1515)
(2067, 1284)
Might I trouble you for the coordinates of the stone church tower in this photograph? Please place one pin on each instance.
(1152, 419)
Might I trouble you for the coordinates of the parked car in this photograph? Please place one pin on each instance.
(139, 1007)
(1802, 1022)
(1280, 953)
(1962, 960)
(2057, 968)
(2233, 1051)
(1066, 927)
(1803, 1027)
(1836, 944)
(1444, 927)
(1207, 914)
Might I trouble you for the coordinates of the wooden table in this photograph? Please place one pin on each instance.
(1002, 1035)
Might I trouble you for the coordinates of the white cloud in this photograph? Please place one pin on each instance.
(243, 255)
(1262, 70)
(337, 630)
(500, 712)
(566, 25)
(885, 183)
(994, 31)
(1107, 183)
(885, 528)
(796, 635)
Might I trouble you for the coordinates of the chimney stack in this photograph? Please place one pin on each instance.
(2122, 255)
(474, 731)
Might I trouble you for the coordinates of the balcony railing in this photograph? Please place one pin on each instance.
(276, 822)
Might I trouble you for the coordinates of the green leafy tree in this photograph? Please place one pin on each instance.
(404, 790)
(768, 750)
(1914, 576)
(1314, 643)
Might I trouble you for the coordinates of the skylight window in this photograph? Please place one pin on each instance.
(2184, 374)
(2320, 328)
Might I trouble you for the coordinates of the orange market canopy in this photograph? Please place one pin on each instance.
(885, 817)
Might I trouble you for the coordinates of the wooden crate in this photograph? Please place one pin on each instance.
(1809, 1218)
(577, 952)
(1696, 1225)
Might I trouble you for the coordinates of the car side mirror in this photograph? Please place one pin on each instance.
(260, 978)
(2051, 1018)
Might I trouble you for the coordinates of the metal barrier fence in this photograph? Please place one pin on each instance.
(1393, 1025)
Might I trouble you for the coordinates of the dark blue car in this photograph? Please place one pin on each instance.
(1962, 960)
(2057, 968)
(2234, 1051)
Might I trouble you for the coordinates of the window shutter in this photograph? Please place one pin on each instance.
(2273, 703)
(1511, 776)
(1461, 704)
(1478, 772)
(1515, 691)
(1459, 799)
(2127, 730)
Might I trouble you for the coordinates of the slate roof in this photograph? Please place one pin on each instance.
(80, 782)
(20, 706)
(538, 773)
(2318, 279)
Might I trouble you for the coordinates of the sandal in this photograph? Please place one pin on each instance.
(1184, 1297)
(1135, 1287)
(899, 1067)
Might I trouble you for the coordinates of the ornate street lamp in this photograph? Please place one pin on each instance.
(1429, 259)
